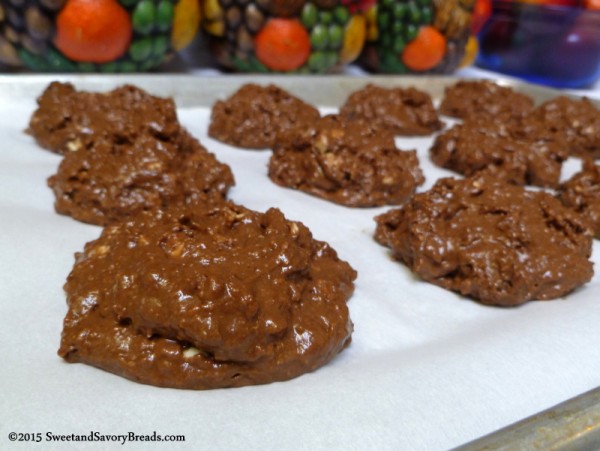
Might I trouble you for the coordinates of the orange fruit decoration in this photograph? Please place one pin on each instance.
(94, 31)
(425, 51)
(282, 44)
(592, 4)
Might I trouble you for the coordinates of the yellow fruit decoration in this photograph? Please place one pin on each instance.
(470, 52)
(354, 39)
(214, 22)
(372, 30)
(186, 22)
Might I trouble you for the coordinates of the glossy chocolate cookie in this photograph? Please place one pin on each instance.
(350, 162)
(207, 297)
(254, 115)
(403, 111)
(489, 240)
(68, 120)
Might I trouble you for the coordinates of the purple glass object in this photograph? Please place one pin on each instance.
(552, 45)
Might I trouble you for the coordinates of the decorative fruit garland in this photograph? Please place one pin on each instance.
(285, 36)
(417, 36)
(95, 35)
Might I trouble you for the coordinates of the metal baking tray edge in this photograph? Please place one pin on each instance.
(571, 425)
(193, 90)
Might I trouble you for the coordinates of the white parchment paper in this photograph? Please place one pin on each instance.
(426, 370)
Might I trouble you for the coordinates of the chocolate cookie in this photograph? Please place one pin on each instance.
(68, 120)
(484, 98)
(532, 157)
(577, 121)
(404, 111)
(347, 162)
(492, 241)
(113, 181)
(254, 116)
(203, 298)
(582, 193)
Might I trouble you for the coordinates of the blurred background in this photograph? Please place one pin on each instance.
(550, 42)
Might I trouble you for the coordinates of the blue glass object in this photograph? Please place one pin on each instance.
(552, 45)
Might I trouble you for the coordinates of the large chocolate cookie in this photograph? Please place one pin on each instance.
(207, 297)
(490, 240)
(113, 181)
(577, 121)
(505, 149)
(404, 111)
(254, 116)
(347, 162)
(484, 98)
(68, 120)
(582, 193)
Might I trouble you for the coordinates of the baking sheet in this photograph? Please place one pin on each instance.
(427, 369)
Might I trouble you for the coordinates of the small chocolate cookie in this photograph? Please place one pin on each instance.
(582, 193)
(112, 181)
(492, 241)
(254, 116)
(502, 148)
(200, 298)
(484, 98)
(348, 162)
(68, 120)
(577, 121)
(404, 111)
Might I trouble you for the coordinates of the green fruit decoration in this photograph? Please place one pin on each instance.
(95, 35)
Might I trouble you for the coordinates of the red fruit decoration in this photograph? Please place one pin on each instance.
(592, 4)
(481, 13)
